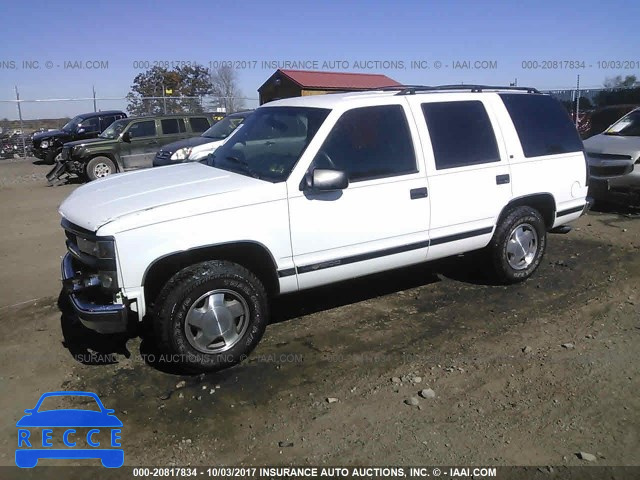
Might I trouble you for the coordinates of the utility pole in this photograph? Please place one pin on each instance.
(577, 99)
(95, 108)
(24, 147)
(164, 99)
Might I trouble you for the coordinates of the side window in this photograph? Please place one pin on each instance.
(461, 134)
(106, 121)
(90, 125)
(143, 129)
(170, 126)
(543, 126)
(199, 124)
(368, 143)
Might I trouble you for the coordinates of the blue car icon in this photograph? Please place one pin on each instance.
(32, 448)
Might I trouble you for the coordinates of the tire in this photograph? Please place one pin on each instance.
(510, 262)
(183, 317)
(52, 157)
(99, 167)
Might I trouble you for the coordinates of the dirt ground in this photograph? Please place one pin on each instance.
(507, 392)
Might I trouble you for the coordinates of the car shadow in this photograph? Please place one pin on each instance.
(92, 348)
(85, 345)
(42, 162)
(617, 208)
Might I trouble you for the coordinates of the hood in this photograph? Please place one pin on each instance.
(189, 142)
(161, 194)
(38, 137)
(88, 141)
(613, 145)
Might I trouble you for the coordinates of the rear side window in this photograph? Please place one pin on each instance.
(170, 126)
(542, 123)
(106, 121)
(199, 124)
(461, 134)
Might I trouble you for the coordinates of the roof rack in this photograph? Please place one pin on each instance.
(412, 89)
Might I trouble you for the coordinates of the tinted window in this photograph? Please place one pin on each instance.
(542, 124)
(90, 124)
(169, 126)
(461, 134)
(106, 121)
(369, 142)
(199, 124)
(143, 129)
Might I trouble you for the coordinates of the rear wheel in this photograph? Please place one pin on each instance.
(518, 245)
(211, 315)
(99, 167)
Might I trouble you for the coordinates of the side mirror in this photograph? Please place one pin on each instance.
(126, 137)
(326, 180)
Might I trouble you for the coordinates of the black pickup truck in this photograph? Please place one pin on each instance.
(48, 145)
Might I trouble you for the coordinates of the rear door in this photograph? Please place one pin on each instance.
(468, 170)
(139, 152)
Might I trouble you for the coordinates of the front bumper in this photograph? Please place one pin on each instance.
(102, 318)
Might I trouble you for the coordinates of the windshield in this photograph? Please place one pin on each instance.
(115, 129)
(72, 124)
(270, 142)
(223, 128)
(627, 126)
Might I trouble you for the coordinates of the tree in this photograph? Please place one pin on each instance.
(224, 86)
(619, 91)
(158, 82)
(629, 81)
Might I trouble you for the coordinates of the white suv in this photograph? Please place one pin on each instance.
(314, 190)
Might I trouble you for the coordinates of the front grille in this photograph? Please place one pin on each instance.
(163, 155)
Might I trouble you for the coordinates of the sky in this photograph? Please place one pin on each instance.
(120, 38)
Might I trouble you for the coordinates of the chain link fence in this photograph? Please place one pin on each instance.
(37, 115)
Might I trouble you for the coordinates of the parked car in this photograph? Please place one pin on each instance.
(48, 145)
(315, 190)
(197, 148)
(614, 160)
(127, 144)
(593, 122)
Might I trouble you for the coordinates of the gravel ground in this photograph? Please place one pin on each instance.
(428, 365)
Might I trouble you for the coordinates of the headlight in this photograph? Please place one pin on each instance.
(44, 144)
(104, 249)
(181, 154)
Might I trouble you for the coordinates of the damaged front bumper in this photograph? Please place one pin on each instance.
(100, 316)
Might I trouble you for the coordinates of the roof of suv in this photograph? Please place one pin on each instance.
(103, 112)
(331, 100)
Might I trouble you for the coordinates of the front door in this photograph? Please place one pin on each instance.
(381, 220)
(142, 147)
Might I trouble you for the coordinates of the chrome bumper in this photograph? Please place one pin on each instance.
(102, 318)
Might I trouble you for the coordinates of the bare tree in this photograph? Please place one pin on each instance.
(224, 86)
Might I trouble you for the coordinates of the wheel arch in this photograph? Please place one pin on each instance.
(545, 203)
(252, 255)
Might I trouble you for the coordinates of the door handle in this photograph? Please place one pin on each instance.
(418, 193)
(502, 179)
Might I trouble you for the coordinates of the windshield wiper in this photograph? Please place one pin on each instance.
(245, 166)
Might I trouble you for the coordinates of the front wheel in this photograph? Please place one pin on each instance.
(518, 245)
(211, 315)
(99, 167)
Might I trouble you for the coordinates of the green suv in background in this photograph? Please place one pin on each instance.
(127, 144)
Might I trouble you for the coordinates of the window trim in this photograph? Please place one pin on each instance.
(403, 109)
(146, 136)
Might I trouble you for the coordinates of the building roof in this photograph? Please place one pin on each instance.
(335, 80)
